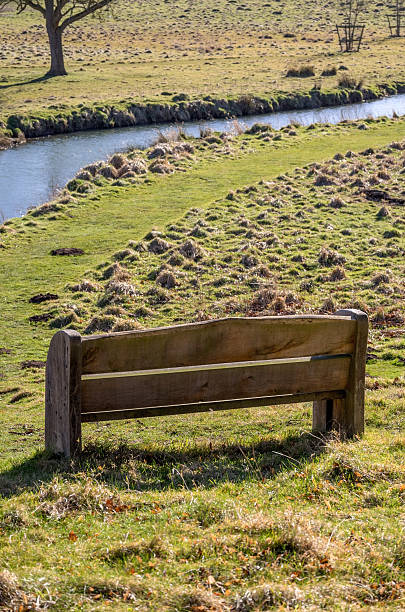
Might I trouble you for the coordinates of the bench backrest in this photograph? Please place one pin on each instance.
(226, 363)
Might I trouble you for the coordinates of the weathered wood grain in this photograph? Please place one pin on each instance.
(255, 402)
(213, 365)
(302, 375)
(224, 340)
(351, 422)
(62, 395)
(233, 365)
(327, 414)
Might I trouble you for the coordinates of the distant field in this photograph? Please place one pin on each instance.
(243, 511)
(153, 49)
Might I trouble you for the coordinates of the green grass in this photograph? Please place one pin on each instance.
(237, 511)
(154, 50)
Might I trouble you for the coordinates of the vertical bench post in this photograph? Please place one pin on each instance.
(62, 394)
(347, 416)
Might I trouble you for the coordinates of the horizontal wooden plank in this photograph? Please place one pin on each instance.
(207, 366)
(220, 341)
(184, 387)
(255, 402)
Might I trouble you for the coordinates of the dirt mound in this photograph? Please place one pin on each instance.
(67, 251)
(43, 297)
(32, 363)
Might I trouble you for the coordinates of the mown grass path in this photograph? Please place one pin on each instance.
(103, 226)
(161, 509)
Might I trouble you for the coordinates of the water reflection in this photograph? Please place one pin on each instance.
(31, 173)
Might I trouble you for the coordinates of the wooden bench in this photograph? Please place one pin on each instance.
(212, 365)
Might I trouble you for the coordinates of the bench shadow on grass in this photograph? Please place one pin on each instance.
(126, 466)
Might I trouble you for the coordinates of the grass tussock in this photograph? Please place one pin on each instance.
(13, 597)
(346, 81)
(59, 499)
(240, 510)
(301, 72)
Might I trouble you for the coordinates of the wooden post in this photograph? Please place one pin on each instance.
(327, 414)
(353, 417)
(347, 416)
(62, 394)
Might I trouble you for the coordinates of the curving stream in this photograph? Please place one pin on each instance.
(31, 173)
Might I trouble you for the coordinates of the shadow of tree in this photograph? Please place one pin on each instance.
(40, 79)
(126, 466)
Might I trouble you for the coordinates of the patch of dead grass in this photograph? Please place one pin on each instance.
(59, 499)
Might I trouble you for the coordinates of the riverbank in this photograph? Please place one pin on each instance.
(152, 51)
(178, 151)
(180, 109)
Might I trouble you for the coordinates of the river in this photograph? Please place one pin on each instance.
(31, 174)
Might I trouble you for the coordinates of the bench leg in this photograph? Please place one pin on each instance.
(62, 394)
(339, 415)
(347, 415)
(328, 415)
(352, 423)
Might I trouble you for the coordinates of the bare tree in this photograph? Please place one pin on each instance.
(396, 17)
(58, 15)
(352, 10)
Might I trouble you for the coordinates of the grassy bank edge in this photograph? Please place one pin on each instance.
(60, 119)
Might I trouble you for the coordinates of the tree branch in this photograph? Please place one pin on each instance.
(92, 8)
(22, 5)
(35, 5)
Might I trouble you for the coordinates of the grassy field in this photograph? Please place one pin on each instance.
(235, 512)
(150, 51)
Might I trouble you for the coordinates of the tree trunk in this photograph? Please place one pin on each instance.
(55, 43)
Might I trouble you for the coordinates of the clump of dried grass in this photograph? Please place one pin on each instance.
(263, 299)
(302, 72)
(383, 212)
(67, 318)
(132, 167)
(262, 271)
(199, 600)
(321, 180)
(328, 257)
(93, 168)
(120, 288)
(100, 323)
(248, 260)
(124, 254)
(107, 171)
(59, 498)
(117, 160)
(158, 246)
(85, 286)
(379, 278)
(158, 295)
(336, 202)
(161, 167)
(155, 547)
(46, 209)
(122, 325)
(84, 175)
(191, 250)
(166, 279)
(328, 306)
(116, 271)
(12, 596)
(337, 274)
(343, 467)
(272, 302)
